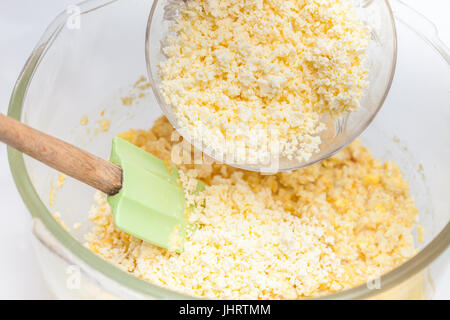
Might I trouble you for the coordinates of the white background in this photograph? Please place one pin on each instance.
(22, 22)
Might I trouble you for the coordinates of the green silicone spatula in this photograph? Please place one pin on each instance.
(142, 190)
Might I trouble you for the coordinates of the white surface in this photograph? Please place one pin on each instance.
(22, 22)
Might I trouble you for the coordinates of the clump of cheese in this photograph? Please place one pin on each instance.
(317, 230)
(260, 73)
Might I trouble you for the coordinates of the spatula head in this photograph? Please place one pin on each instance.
(151, 203)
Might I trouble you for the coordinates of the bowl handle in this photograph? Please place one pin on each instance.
(421, 25)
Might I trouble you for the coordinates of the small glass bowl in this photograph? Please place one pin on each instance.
(382, 55)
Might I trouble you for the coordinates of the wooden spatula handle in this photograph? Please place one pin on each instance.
(62, 156)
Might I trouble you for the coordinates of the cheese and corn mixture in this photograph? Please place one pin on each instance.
(259, 74)
(313, 231)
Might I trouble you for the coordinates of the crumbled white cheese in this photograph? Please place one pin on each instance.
(264, 71)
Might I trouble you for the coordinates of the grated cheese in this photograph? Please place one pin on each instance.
(255, 76)
(313, 231)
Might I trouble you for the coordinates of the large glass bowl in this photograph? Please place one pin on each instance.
(85, 69)
(382, 54)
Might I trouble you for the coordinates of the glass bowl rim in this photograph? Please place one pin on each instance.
(39, 210)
